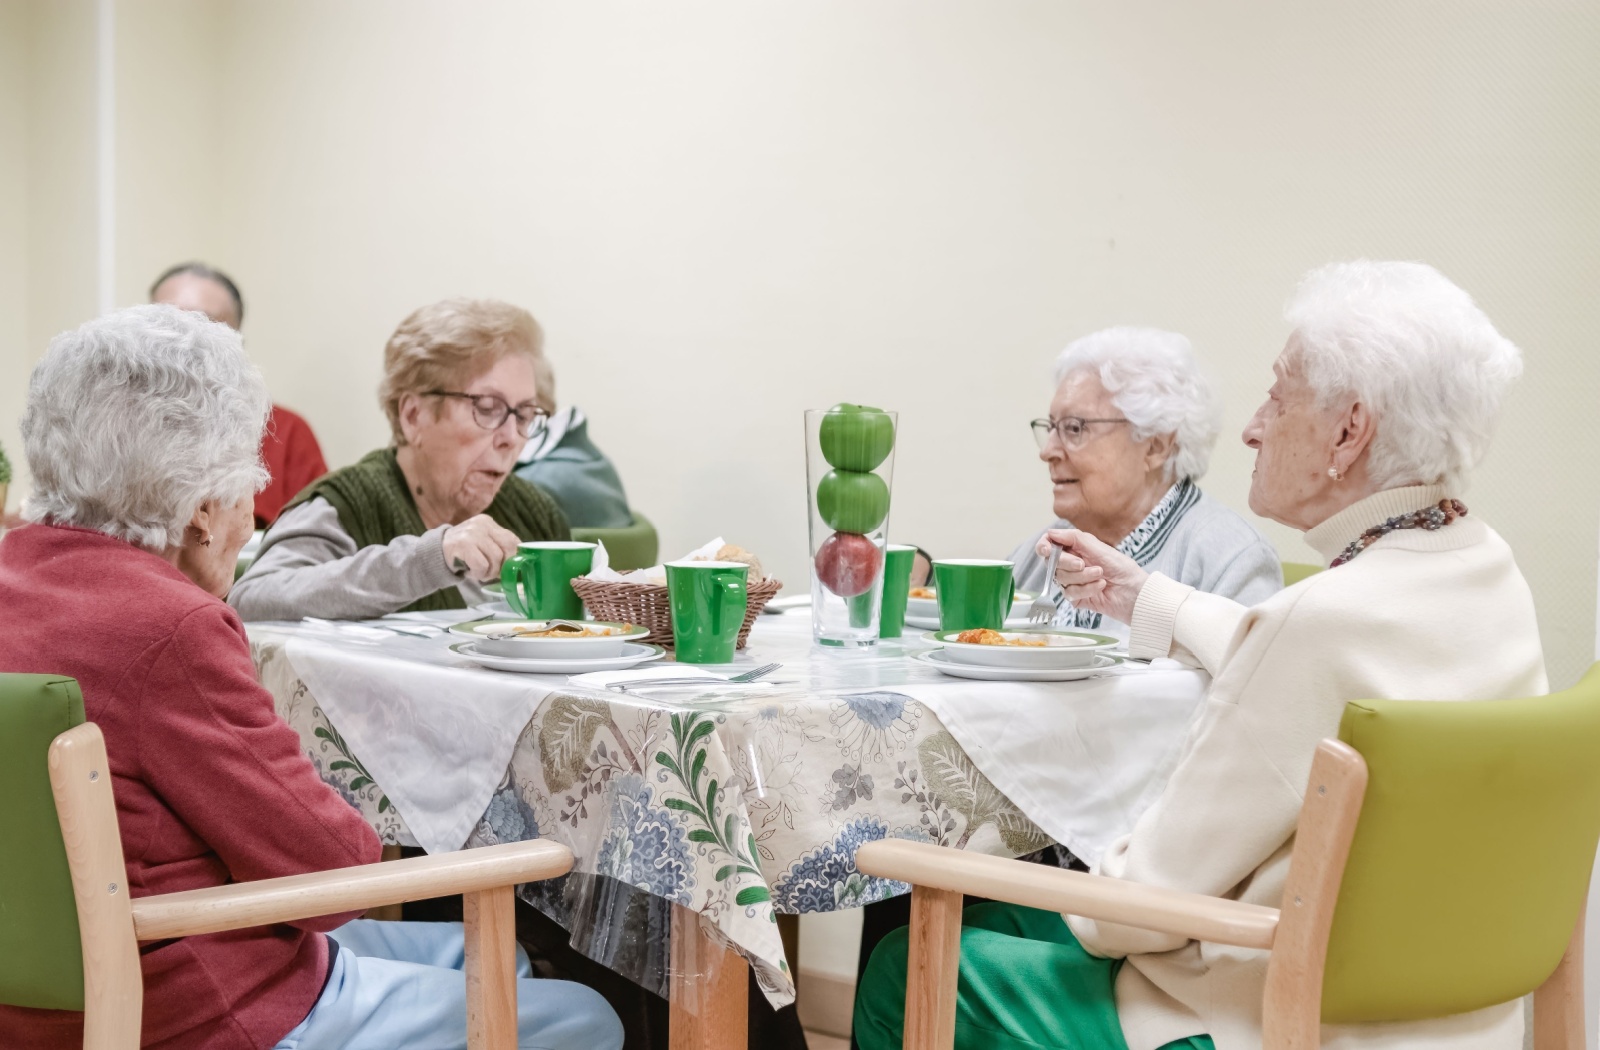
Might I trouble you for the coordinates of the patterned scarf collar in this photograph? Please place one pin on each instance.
(1142, 545)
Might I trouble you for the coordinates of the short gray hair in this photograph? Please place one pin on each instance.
(1155, 381)
(136, 419)
(1417, 351)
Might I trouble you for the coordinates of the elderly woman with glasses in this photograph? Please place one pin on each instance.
(422, 524)
(1383, 401)
(135, 525)
(1130, 432)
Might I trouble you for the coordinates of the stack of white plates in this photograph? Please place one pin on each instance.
(1064, 656)
(504, 646)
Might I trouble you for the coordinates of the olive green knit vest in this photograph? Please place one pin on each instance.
(375, 506)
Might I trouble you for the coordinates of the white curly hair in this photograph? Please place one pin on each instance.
(136, 419)
(1155, 381)
(1416, 350)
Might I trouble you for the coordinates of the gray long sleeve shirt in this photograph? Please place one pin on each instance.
(310, 566)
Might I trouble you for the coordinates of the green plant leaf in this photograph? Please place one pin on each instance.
(702, 835)
(954, 781)
(699, 733)
(684, 806)
(1021, 835)
(724, 871)
(566, 737)
(752, 895)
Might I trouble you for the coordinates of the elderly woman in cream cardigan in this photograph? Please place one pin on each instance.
(1383, 401)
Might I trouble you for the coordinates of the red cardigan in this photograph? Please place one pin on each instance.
(211, 785)
(294, 459)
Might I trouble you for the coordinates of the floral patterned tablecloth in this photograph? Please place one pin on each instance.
(735, 807)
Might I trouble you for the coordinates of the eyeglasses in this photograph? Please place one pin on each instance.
(1073, 430)
(491, 411)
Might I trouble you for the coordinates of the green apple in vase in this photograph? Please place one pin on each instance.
(851, 499)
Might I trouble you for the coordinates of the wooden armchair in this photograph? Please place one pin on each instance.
(77, 948)
(1441, 865)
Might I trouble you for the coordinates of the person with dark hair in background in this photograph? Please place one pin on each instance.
(290, 450)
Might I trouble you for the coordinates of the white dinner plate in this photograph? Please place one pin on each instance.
(501, 609)
(494, 639)
(1062, 648)
(634, 654)
(928, 608)
(940, 659)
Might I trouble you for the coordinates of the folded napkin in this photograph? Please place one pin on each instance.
(643, 676)
(656, 574)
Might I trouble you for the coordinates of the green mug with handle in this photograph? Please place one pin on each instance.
(538, 578)
(708, 601)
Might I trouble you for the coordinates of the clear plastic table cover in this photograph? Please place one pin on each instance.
(740, 806)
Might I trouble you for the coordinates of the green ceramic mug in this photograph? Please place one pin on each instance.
(708, 603)
(538, 578)
(973, 592)
(897, 561)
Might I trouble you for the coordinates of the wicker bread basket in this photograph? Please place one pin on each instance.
(646, 605)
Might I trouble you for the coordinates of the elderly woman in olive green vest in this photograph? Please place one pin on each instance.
(424, 523)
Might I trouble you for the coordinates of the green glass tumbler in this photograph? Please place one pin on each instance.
(897, 562)
(538, 578)
(708, 601)
(973, 592)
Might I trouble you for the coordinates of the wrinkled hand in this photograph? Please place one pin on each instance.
(1093, 575)
(478, 546)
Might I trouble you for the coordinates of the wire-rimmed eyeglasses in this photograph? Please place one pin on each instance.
(1072, 430)
(490, 411)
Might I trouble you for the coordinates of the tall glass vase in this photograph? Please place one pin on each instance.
(849, 471)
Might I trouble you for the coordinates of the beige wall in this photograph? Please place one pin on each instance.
(13, 223)
(47, 179)
(725, 213)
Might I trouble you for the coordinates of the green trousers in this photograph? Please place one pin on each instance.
(1025, 984)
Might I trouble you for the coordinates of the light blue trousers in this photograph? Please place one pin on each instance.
(400, 986)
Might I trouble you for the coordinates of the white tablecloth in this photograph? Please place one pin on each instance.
(1080, 759)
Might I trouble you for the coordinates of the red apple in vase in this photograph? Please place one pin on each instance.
(848, 563)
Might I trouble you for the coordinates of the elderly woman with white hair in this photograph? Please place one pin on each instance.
(143, 431)
(1129, 434)
(1383, 402)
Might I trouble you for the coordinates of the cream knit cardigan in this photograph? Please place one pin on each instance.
(1442, 615)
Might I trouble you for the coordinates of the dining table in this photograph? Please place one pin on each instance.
(699, 814)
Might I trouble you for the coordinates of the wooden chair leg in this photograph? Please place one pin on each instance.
(709, 997)
(1558, 1022)
(491, 965)
(931, 967)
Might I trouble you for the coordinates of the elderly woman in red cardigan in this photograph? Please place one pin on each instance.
(142, 430)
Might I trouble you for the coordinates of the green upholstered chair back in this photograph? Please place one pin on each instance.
(41, 961)
(633, 547)
(1295, 571)
(1471, 859)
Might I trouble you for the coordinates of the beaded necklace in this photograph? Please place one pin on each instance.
(1430, 518)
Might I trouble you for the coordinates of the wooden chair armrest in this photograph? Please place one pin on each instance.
(1191, 915)
(268, 901)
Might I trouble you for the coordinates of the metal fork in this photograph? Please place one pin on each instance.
(738, 679)
(1043, 609)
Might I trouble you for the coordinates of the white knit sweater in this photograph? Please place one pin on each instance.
(1442, 615)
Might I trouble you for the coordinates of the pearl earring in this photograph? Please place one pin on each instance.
(1333, 472)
